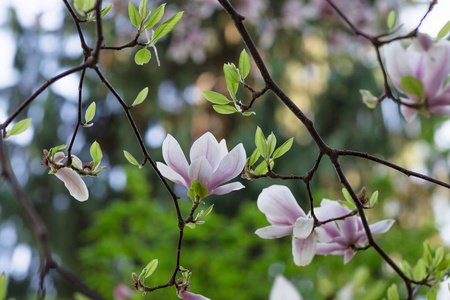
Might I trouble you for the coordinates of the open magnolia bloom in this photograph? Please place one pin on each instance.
(211, 164)
(340, 237)
(191, 296)
(287, 218)
(428, 62)
(283, 289)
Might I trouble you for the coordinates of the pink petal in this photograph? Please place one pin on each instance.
(396, 64)
(283, 289)
(230, 167)
(73, 182)
(279, 205)
(408, 113)
(172, 175)
(200, 170)
(227, 188)
(348, 227)
(304, 250)
(191, 296)
(335, 249)
(436, 67)
(174, 157)
(348, 255)
(273, 232)
(207, 146)
(58, 157)
(303, 227)
(382, 226)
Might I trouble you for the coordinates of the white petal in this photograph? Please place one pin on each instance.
(200, 170)
(227, 188)
(174, 157)
(283, 289)
(171, 174)
(206, 146)
(273, 232)
(381, 227)
(58, 157)
(303, 227)
(191, 296)
(73, 182)
(304, 250)
(77, 161)
(348, 255)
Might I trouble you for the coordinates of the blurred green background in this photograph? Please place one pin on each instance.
(130, 219)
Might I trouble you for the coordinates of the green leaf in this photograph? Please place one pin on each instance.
(260, 142)
(427, 256)
(215, 98)
(254, 157)
(438, 257)
(231, 77)
(142, 56)
(225, 109)
(190, 225)
(96, 153)
(392, 292)
(244, 64)
(19, 128)
(143, 9)
(208, 211)
(271, 143)
(130, 158)
(248, 113)
(431, 294)
(166, 27)
(88, 4)
(347, 195)
(149, 269)
(369, 99)
(391, 19)
(262, 168)
(406, 268)
(412, 85)
(52, 151)
(3, 287)
(79, 296)
(155, 17)
(283, 148)
(445, 264)
(420, 270)
(444, 31)
(197, 191)
(106, 10)
(134, 16)
(90, 112)
(140, 97)
(373, 199)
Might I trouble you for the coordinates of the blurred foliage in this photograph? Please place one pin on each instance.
(118, 231)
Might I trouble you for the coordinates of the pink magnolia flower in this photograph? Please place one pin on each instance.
(72, 180)
(429, 62)
(211, 164)
(283, 289)
(339, 237)
(122, 292)
(191, 296)
(287, 218)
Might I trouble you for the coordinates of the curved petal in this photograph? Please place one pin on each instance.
(382, 226)
(273, 232)
(191, 296)
(171, 174)
(397, 65)
(304, 250)
(348, 227)
(330, 209)
(200, 170)
(303, 227)
(283, 289)
(408, 113)
(77, 162)
(174, 157)
(58, 157)
(206, 146)
(334, 249)
(279, 205)
(436, 67)
(230, 167)
(73, 182)
(348, 255)
(227, 188)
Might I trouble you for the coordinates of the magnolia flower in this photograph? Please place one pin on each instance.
(287, 218)
(429, 62)
(191, 296)
(211, 164)
(72, 180)
(283, 289)
(340, 237)
(122, 292)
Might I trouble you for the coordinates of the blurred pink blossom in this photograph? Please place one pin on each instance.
(122, 292)
(211, 164)
(283, 289)
(191, 296)
(428, 61)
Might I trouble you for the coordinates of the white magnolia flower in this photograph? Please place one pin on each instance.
(72, 180)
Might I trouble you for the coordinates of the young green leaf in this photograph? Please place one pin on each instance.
(438, 257)
(391, 19)
(225, 109)
(420, 270)
(19, 128)
(140, 97)
(88, 5)
(134, 16)
(444, 31)
(96, 153)
(406, 268)
(431, 294)
(166, 27)
(190, 225)
(260, 142)
(155, 17)
(208, 211)
(248, 113)
(215, 98)
(347, 196)
(412, 85)
(253, 158)
(197, 190)
(149, 269)
(52, 151)
(231, 77)
(244, 64)
(130, 158)
(105, 10)
(90, 112)
(143, 9)
(3, 288)
(373, 199)
(283, 148)
(392, 292)
(369, 99)
(271, 143)
(143, 56)
(427, 256)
